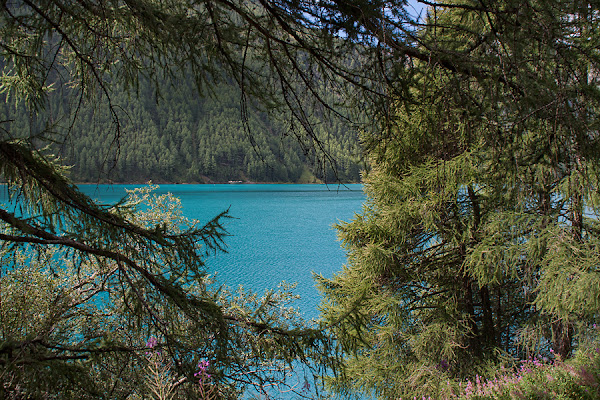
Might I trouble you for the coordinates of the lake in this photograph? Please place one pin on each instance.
(281, 232)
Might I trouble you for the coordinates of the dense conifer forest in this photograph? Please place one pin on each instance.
(175, 135)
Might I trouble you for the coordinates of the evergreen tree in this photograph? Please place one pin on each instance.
(478, 244)
(115, 313)
(85, 285)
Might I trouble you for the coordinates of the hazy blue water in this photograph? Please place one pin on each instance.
(281, 232)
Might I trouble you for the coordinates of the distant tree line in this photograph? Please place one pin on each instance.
(177, 136)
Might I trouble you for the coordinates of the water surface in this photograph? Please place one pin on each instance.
(280, 232)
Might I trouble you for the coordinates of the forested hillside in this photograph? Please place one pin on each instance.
(176, 135)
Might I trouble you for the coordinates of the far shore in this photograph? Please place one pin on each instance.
(215, 183)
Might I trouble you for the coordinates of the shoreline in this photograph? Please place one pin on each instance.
(216, 183)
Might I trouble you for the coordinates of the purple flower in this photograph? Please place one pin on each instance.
(469, 388)
(151, 343)
(202, 374)
(443, 365)
(202, 365)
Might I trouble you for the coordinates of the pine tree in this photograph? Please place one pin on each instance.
(64, 256)
(477, 243)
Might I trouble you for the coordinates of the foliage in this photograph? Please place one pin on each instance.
(578, 378)
(478, 244)
(179, 137)
(64, 73)
(88, 327)
(121, 275)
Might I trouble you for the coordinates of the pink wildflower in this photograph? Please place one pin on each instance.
(202, 374)
(469, 388)
(151, 342)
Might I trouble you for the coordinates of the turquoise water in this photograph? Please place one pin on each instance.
(280, 232)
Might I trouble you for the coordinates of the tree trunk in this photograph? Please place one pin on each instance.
(562, 333)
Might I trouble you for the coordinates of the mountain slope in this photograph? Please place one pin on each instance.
(182, 137)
